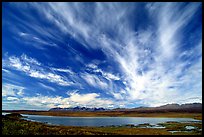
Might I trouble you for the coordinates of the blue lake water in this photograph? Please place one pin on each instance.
(102, 121)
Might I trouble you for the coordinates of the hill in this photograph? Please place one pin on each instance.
(191, 107)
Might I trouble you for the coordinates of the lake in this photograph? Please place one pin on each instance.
(102, 121)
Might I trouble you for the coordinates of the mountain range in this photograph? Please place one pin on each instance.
(78, 108)
(191, 107)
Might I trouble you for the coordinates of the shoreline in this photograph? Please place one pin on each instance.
(197, 116)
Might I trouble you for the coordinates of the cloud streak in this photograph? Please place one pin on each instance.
(33, 68)
(12, 90)
(47, 87)
(94, 80)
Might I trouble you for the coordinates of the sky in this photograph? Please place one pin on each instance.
(106, 55)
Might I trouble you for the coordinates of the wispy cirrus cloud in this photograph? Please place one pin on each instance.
(35, 41)
(148, 71)
(12, 90)
(33, 68)
(63, 70)
(107, 75)
(94, 80)
(47, 87)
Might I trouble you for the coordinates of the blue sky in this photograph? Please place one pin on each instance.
(100, 54)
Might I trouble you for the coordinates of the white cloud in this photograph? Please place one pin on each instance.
(35, 69)
(12, 98)
(83, 98)
(22, 34)
(74, 99)
(63, 70)
(47, 87)
(20, 93)
(110, 76)
(34, 40)
(93, 66)
(12, 90)
(94, 80)
(107, 75)
(5, 70)
(117, 96)
(169, 36)
(30, 60)
(41, 101)
(144, 36)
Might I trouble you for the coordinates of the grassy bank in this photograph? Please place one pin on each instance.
(114, 114)
(17, 126)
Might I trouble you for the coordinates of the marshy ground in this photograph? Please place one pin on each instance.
(13, 125)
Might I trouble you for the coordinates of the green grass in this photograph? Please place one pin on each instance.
(16, 126)
(176, 126)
